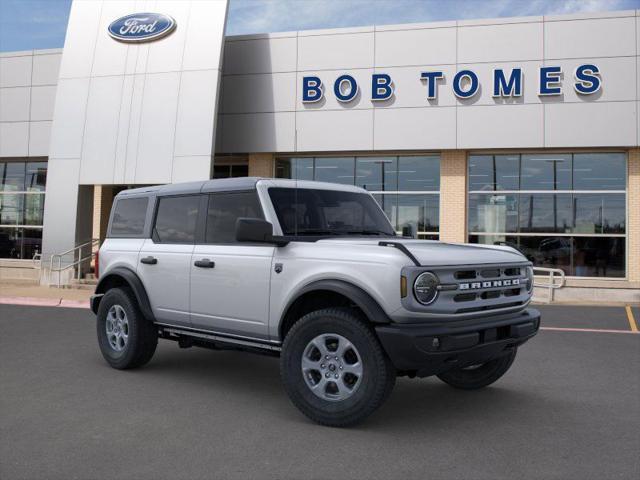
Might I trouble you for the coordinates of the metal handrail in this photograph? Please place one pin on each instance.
(78, 248)
(551, 276)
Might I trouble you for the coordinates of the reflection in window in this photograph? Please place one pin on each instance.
(419, 174)
(545, 172)
(335, 170)
(580, 230)
(377, 173)
(176, 219)
(545, 213)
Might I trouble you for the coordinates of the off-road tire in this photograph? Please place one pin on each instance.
(378, 378)
(142, 334)
(482, 376)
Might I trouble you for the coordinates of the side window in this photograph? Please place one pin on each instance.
(128, 217)
(176, 219)
(225, 209)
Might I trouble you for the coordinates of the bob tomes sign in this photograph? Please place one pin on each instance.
(465, 84)
(141, 27)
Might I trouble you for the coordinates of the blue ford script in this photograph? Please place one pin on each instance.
(141, 27)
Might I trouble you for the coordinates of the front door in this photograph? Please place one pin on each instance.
(230, 280)
(164, 262)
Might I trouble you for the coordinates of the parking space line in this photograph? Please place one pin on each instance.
(589, 330)
(632, 321)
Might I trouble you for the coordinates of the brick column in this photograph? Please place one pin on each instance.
(102, 201)
(633, 225)
(453, 196)
(261, 164)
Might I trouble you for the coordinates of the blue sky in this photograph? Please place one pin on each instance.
(31, 24)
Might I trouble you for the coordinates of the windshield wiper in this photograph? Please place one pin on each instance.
(370, 232)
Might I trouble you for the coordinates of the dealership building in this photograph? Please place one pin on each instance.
(513, 131)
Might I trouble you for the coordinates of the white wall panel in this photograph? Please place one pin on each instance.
(590, 38)
(333, 130)
(259, 132)
(70, 106)
(416, 47)
(133, 134)
(196, 113)
(203, 46)
(259, 93)
(506, 126)
(42, 102)
(157, 128)
(39, 137)
(14, 139)
(260, 55)
(500, 43)
(415, 128)
(14, 104)
(110, 56)
(166, 55)
(329, 101)
(80, 40)
(15, 71)
(327, 52)
(591, 124)
(101, 130)
(191, 168)
(46, 69)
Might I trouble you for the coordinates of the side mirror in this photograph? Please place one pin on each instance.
(256, 230)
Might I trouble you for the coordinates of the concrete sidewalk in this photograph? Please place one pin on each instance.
(17, 293)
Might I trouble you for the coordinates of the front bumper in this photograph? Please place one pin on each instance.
(429, 349)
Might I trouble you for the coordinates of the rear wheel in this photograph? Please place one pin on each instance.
(126, 338)
(481, 375)
(334, 369)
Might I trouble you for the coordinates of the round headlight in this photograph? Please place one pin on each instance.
(425, 288)
(529, 279)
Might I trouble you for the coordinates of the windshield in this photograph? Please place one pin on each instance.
(328, 212)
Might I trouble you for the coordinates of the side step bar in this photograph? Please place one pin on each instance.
(218, 337)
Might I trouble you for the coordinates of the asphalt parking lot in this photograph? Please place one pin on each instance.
(568, 409)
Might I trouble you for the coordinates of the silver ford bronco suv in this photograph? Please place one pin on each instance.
(313, 273)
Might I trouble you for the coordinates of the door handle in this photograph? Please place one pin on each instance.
(204, 263)
(149, 260)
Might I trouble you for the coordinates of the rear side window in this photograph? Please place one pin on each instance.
(225, 209)
(129, 216)
(176, 219)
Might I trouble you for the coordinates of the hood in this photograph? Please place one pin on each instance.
(433, 253)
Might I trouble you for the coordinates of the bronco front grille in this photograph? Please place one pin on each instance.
(470, 288)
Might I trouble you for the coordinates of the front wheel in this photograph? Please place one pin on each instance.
(481, 375)
(334, 369)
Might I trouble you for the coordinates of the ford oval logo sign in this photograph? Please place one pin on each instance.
(141, 27)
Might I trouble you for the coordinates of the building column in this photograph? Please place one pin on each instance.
(102, 201)
(453, 196)
(261, 164)
(633, 225)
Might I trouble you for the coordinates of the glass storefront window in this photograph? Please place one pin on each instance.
(599, 171)
(543, 212)
(493, 213)
(395, 182)
(22, 187)
(377, 173)
(494, 172)
(419, 174)
(545, 172)
(580, 230)
(335, 170)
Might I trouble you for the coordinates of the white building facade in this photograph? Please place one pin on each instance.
(518, 131)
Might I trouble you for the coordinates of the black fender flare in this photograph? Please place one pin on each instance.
(133, 281)
(357, 295)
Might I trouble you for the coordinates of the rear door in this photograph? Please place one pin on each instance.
(164, 262)
(230, 280)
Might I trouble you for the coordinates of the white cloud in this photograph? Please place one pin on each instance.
(253, 16)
